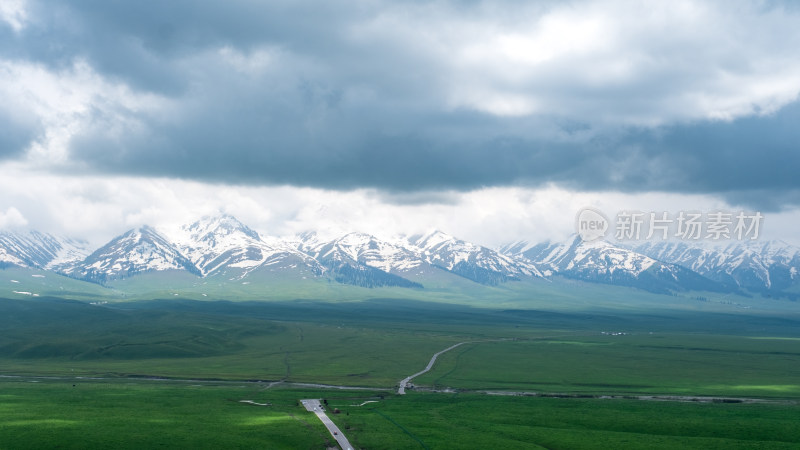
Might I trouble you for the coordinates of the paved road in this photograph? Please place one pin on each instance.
(404, 382)
(314, 406)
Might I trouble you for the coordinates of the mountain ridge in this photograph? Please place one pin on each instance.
(223, 247)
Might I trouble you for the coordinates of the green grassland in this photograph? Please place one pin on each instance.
(52, 338)
(211, 354)
(658, 363)
(151, 414)
(377, 343)
(555, 294)
(460, 421)
(116, 415)
(22, 283)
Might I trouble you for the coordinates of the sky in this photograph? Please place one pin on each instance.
(493, 121)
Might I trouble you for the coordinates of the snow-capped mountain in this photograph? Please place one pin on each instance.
(415, 258)
(137, 251)
(362, 259)
(755, 266)
(223, 248)
(71, 252)
(365, 249)
(39, 250)
(601, 262)
(215, 244)
(472, 261)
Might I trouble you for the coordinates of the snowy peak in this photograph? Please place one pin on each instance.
(138, 250)
(213, 243)
(222, 246)
(755, 266)
(422, 255)
(432, 240)
(72, 252)
(39, 250)
(221, 243)
(472, 261)
(602, 262)
(367, 249)
(516, 247)
(214, 230)
(15, 250)
(575, 254)
(362, 259)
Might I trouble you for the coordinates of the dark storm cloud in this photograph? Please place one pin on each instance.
(310, 94)
(761, 154)
(752, 160)
(141, 42)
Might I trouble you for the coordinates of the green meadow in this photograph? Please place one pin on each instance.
(453, 421)
(170, 414)
(79, 414)
(636, 363)
(172, 373)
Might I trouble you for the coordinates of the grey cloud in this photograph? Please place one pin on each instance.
(769, 200)
(748, 154)
(418, 197)
(340, 108)
(145, 43)
(278, 146)
(17, 132)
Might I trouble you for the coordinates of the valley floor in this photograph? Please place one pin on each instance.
(148, 414)
(230, 375)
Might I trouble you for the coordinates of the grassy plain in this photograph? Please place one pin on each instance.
(56, 337)
(554, 294)
(73, 414)
(217, 346)
(461, 421)
(377, 343)
(658, 363)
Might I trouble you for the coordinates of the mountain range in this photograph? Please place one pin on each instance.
(223, 248)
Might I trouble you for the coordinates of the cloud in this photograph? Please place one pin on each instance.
(48, 109)
(418, 197)
(750, 160)
(17, 132)
(414, 97)
(12, 218)
(13, 13)
(97, 208)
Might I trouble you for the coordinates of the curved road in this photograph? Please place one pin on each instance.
(404, 382)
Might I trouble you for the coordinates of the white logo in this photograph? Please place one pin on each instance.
(591, 224)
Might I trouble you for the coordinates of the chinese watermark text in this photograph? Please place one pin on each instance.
(592, 224)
